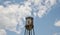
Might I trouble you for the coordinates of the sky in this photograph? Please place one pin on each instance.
(46, 14)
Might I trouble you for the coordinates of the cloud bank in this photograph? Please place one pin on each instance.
(13, 14)
(41, 7)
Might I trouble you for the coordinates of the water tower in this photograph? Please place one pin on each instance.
(29, 26)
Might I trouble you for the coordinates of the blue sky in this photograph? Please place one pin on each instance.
(46, 14)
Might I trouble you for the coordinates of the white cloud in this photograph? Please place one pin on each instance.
(11, 15)
(43, 6)
(43, 9)
(57, 23)
(2, 32)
